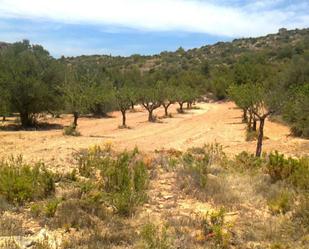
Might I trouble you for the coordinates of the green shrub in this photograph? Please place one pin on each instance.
(279, 167)
(20, 182)
(71, 131)
(195, 162)
(155, 238)
(246, 161)
(124, 177)
(213, 226)
(124, 181)
(281, 203)
(293, 170)
(51, 207)
(300, 176)
(36, 209)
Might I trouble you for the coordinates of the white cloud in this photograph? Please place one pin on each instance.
(255, 18)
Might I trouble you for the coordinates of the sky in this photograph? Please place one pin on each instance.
(125, 27)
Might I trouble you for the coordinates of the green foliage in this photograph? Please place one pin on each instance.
(125, 182)
(281, 203)
(51, 207)
(279, 167)
(30, 76)
(124, 177)
(247, 161)
(214, 227)
(20, 182)
(296, 111)
(293, 170)
(154, 237)
(195, 163)
(71, 131)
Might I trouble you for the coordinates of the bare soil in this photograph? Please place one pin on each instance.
(206, 123)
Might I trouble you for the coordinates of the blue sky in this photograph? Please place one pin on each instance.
(124, 27)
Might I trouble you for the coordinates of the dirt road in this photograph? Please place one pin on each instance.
(211, 122)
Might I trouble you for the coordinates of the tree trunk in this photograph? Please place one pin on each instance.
(245, 118)
(165, 110)
(3, 118)
(76, 115)
(132, 105)
(123, 118)
(26, 120)
(150, 116)
(254, 124)
(180, 107)
(260, 138)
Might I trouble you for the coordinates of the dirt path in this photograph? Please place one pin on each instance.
(212, 122)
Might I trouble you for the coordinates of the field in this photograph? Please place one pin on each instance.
(206, 123)
(233, 204)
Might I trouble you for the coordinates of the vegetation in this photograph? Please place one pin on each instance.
(203, 198)
(20, 183)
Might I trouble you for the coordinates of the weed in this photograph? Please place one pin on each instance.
(9, 244)
(280, 168)
(20, 183)
(71, 131)
(302, 212)
(246, 161)
(154, 237)
(10, 226)
(281, 203)
(293, 170)
(51, 207)
(214, 228)
(124, 181)
(36, 209)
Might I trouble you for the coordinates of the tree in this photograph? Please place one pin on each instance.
(31, 76)
(241, 95)
(122, 96)
(185, 89)
(80, 91)
(296, 111)
(151, 97)
(126, 94)
(167, 95)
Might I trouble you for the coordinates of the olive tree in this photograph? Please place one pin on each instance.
(31, 77)
(80, 91)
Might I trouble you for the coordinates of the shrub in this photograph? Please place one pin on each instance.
(10, 226)
(281, 203)
(124, 181)
(9, 244)
(71, 131)
(278, 167)
(214, 227)
(302, 212)
(246, 161)
(294, 170)
(195, 164)
(20, 182)
(51, 207)
(36, 209)
(300, 176)
(155, 238)
(70, 214)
